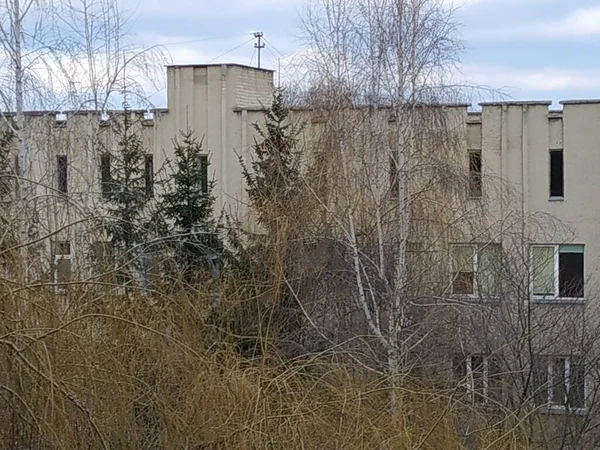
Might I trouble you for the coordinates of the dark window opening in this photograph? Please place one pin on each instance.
(63, 270)
(557, 188)
(576, 394)
(475, 184)
(394, 187)
(62, 248)
(570, 275)
(478, 371)
(105, 175)
(203, 160)
(102, 255)
(480, 375)
(558, 381)
(149, 174)
(62, 175)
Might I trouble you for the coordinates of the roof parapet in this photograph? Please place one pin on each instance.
(518, 103)
(591, 101)
(200, 66)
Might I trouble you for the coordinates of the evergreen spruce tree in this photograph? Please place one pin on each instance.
(274, 181)
(265, 263)
(127, 198)
(187, 209)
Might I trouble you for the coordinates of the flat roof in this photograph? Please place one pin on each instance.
(591, 101)
(243, 66)
(518, 103)
(82, 112)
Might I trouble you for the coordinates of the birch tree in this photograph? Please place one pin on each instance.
(381, 68)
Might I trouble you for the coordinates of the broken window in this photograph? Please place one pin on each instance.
(476, 269)
(558, 271)
(475, 182)
(557, 188)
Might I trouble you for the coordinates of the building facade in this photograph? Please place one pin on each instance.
(530, 188)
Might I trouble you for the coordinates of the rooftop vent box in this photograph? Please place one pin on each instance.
(104, 119)
(148, 118)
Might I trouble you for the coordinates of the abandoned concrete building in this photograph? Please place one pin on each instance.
(524, 163)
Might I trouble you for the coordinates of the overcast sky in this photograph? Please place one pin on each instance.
(532, 49)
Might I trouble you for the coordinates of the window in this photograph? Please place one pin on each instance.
(62, 264)
(475, 185)
(476, 269)
(394, 187)
(62, 174)
(480, 375)
(102, 256)
(559, 381)
(149, 174)
(557, 187)
(203, 162)
(558, 271)
(105, 175)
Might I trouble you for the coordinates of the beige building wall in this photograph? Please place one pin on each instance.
(222, 102)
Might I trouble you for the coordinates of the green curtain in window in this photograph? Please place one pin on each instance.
(571, 248)
(489, 269)
(543, 271)
(462, 257)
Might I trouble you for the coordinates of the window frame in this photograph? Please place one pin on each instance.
(556, 276)
(485, 377)
(61, 287)
(476, 248)
(484, 394)
(550, 405)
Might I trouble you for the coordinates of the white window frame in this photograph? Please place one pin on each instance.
(476, 248)
(471, 380)
(57, 258)
(551, 406)
(556, 271)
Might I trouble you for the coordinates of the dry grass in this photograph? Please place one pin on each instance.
(145, 372)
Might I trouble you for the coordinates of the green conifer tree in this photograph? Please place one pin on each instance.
(187, 208)
(274, 181)
(264, 263)
(127, 198)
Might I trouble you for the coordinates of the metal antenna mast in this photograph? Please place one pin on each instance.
(259, 45)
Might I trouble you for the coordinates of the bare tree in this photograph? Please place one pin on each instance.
(378, 70)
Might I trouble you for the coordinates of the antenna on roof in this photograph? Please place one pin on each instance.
(259, 45)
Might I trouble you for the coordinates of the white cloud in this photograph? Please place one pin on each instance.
(539, 80)
(210, 8)
(578, 23)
